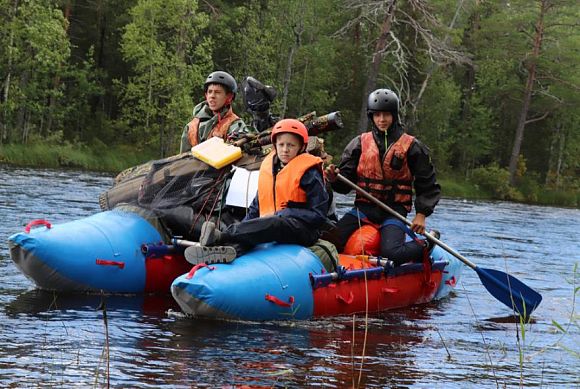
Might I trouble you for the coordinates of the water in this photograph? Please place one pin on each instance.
(467, 340)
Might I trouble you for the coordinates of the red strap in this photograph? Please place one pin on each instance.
(451, 282)
(427, 269)
(346, 301)
(110, 263)
(277, 301)
(196, 268)
(37, 222)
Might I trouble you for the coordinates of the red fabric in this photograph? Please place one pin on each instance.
(373, 174)
(385, 293)
(37, 222)
(161, 271)
(277, 301)
(365, 240)
(107, 262)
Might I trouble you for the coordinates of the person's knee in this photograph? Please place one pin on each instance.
(403, 253)
(395, 254)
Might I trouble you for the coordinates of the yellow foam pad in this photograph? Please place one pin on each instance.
(216, 153)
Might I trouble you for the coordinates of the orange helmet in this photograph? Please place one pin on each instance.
(292, 126)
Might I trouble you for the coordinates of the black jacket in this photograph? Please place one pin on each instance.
(427, 190)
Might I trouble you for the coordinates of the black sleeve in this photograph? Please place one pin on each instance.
(348, 165)
(427, 189)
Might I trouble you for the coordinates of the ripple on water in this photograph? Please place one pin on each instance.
(466, 340)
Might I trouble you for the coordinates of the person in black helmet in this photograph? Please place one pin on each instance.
(388, 163)
(214, 116)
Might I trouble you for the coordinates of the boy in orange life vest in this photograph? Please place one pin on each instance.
(214, 116)
(290, 206)
(387, 163)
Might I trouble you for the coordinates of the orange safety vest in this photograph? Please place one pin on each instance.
(381, 180)
(275, 192)
(220, 129)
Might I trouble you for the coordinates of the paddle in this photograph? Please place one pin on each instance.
(504, 287)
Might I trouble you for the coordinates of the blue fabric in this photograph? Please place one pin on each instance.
(357, 213)
(67, 253)
(238, 290)
(401, 225)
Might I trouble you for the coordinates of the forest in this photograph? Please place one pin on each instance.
(491, 86)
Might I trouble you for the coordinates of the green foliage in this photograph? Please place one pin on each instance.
(474, 135)
(564, 198)
(33, 55)
(529, 187)
(82, 84)
(67, 155)
(235, 30)
(170, 58)
(458, 187)
(128, 72)
(495, 180)
(434, 123)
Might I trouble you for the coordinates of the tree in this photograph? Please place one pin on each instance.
(35, 52)
(170, 59)
(391, 25)
(530, 65)
(538, 73)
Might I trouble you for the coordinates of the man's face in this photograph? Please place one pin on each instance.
(216, 97)
(383, 120)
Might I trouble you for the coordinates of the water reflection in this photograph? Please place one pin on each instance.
(36, 301)
(467, 340)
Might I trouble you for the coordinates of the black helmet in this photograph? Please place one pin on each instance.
(383, 100)
(257, 96)
(221, 78)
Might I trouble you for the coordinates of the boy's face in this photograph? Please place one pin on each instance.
(216, 97)
(288, 146)
(383, 120)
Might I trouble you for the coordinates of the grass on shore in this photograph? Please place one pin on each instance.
(117, 158)
(456, 187)
(105, 159)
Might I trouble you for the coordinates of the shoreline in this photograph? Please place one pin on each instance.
(116, 159)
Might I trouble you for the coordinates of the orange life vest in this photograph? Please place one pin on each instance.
(220, 129)
(275, 192)
(380, 179)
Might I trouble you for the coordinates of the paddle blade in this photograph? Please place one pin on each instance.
(510, 291)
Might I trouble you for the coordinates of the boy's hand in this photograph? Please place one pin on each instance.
(331, 173)
(418, 224)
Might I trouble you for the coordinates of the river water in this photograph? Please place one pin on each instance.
(466, 340)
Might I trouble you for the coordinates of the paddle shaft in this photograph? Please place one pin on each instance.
(184, 243)
(390, 210)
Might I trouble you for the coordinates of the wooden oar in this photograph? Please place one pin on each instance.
(504, 287)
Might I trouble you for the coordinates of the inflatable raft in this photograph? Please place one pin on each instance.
(103, 252)
(121, 252)
(280, 282)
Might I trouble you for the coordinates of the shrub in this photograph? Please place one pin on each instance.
(529, 187)
(495, 181)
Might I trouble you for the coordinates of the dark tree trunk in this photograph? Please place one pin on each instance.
(529, 88)
(298, 30)
(4, 126)
(376, 63)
